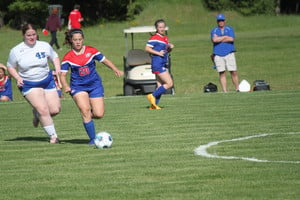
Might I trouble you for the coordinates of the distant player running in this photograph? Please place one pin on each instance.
(159, 47)
(34, 78)
(86, 85)
(75, 18)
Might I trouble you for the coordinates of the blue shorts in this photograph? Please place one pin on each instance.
(158, 66)
(95, 90)
(158, 70)
(47, 84)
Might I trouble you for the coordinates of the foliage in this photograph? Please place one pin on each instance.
(135, 7)
(244, 7)
(22, 11)
(93, 11)
(256, 7)
(219, 5)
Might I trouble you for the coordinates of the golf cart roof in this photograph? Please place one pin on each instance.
(141, 29)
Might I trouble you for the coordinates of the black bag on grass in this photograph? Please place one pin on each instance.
(260, 85)
(210, 87)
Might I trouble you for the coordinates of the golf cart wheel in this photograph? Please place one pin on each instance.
(128, 90)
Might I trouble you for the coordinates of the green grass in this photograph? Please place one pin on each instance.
(266, 46)
(153, 151)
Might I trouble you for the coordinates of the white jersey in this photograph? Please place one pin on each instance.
(31, 62)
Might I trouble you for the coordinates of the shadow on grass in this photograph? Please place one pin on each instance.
(41, 139)
(45, 139)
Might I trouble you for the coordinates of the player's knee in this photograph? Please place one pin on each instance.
(55, 111)
(43, 111)
(98, 115)
(169, 84)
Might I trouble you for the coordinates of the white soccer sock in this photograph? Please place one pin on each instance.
(50, 130)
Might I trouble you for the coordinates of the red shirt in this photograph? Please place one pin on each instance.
(74, 17)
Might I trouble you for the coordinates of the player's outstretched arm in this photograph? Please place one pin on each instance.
(109, 64)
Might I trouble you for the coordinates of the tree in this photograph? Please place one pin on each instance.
(93, 11)
(245, 7)
(21, 12)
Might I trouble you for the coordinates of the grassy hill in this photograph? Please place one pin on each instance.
(266, 46)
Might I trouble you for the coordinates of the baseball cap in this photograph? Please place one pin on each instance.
(220, 17)
(3, 67)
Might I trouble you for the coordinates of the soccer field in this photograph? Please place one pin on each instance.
(211, 146)
(153, 154)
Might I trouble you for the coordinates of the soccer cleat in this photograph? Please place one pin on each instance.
(92, 142)
(152, 100)
(35, 120)
(152, 107)
(54, 140)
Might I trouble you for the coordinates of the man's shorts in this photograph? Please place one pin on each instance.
(47, 84)
(95, 90)
(227, 62)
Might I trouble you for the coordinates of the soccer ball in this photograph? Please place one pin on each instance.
(103, 140)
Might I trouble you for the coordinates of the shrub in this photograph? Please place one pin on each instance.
(22, 12)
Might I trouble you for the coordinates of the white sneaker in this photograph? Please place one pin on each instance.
(54, 140)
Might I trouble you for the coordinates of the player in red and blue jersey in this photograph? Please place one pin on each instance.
(159, 47)
(85, 85)
(5, 85)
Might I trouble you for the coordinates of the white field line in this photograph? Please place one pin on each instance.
(202, 149)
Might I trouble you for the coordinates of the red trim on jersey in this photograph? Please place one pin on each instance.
(2, 83)
(81, 59)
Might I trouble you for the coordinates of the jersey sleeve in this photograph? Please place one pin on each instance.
(100, 57)
(151, 42)
(12, 59)
(52, 53)
(213, 32)
(96, 54)
(65, 65)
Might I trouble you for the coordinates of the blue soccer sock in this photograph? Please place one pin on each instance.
(90, 129)
(157, 99)
(159, 91)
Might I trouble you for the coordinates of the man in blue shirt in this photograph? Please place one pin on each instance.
(222, 37)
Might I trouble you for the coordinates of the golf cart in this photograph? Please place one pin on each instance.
(138, 77)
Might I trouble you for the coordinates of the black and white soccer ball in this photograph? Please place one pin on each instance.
(103, 140)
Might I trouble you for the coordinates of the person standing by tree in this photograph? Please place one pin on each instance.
(75, 18)
(222, 37)
(53, 25)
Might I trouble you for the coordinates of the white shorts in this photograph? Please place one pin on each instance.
(225, 62)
